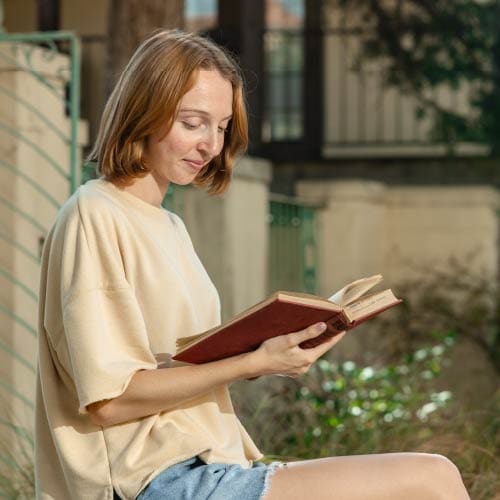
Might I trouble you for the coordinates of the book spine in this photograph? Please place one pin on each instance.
(334, 326)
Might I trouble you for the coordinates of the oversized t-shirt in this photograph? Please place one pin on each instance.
(120, 282)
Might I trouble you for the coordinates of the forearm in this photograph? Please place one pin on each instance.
(152, 391)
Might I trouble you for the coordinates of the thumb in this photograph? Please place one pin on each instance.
(330, 332)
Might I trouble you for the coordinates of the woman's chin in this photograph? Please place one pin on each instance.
(185, 181)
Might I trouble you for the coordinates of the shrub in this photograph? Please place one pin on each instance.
(341, 408)
(345, 409)
(442, 300)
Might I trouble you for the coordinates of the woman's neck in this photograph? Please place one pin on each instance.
(147, 188)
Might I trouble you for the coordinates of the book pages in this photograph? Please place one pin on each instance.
(370, 304)
(184, 342)
(354, 290)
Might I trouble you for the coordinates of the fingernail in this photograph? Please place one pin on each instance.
(320, 327)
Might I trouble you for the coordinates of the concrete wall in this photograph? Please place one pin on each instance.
(369, 228)
(89, 21)
(230, 234)
(31, 190)
(404, 233)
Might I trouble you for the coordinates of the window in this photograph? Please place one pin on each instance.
(200, 15)
(283, 117)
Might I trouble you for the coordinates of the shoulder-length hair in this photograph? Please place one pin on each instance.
(146, 99)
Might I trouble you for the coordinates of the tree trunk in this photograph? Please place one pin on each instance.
(130, 21)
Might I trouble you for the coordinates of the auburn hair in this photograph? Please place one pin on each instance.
(146, 99)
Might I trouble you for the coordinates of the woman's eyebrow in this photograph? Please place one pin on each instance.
(202, 112)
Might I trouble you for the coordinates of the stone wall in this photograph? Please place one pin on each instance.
(230, 233)
(34, 181)
(405, 233)
(369, 228)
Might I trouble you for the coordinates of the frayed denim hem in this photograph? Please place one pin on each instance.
(271, 469)
(193, 479)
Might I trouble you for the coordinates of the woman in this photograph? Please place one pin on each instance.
(121, 282)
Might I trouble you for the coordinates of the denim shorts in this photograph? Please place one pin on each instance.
(196, 480)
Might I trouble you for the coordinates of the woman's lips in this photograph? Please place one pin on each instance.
(195, 164)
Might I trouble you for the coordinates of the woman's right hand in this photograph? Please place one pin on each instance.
(152, 391)
(283, 355)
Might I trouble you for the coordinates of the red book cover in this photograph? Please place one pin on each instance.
(247, 332)
(287, 312)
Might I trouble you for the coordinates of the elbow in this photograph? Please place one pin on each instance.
(101, 413)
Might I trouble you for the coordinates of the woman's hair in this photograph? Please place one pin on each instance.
(146, 98)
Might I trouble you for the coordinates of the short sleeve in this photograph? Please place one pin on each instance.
(106, 342)
(103, 339)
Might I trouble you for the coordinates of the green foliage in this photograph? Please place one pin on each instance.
(454, 299)
(342, 408)
(423, 44)
(399, 403)
(347, 404)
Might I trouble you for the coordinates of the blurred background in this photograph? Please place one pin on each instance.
(374, 148)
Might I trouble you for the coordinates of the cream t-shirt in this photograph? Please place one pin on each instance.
(120, 282)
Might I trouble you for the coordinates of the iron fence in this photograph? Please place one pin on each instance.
(293, 253)
(40, 165)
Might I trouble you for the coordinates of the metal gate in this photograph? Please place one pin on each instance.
(293, 256)
(39, 168)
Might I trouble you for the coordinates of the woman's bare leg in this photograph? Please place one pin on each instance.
(392, 476)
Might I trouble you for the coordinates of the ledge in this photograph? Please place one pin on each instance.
(256, 169)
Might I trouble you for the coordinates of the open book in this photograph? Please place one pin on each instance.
(286, 312)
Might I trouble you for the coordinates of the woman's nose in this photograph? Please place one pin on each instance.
(211, 142)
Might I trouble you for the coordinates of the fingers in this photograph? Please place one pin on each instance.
(310, 332)
(319, 350)
(285, 355)
(311, 355)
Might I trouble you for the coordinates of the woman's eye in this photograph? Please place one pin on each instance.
(222, 130)
(190, 126)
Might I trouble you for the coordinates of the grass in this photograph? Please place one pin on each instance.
(285, 428)
(17, 477)
(308, 418)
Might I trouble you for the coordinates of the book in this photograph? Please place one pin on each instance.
(286, 312)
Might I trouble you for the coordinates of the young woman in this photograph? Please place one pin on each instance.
(121, 282)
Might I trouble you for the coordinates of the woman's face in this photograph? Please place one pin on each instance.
(197, 134)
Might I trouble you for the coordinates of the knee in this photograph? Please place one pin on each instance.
(442, 466)
(441, 477)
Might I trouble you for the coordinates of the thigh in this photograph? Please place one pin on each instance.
(408, 476)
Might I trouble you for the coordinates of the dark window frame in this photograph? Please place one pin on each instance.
(240, 29)
(309, 147)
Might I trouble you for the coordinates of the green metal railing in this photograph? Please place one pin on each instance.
(26, 43)
(21, 52)
(293, 255)
(174, 199)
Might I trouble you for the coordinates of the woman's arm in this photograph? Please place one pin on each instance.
(153, 391)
